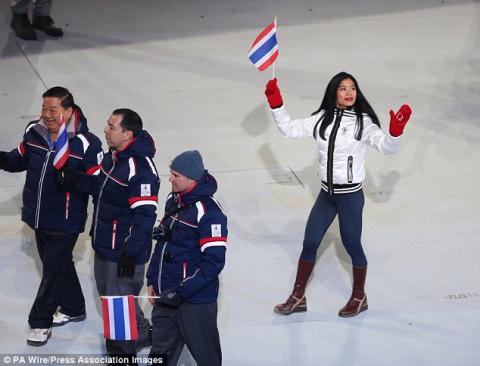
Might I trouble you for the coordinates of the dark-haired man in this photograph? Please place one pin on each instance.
(57, 216)
(125, 189)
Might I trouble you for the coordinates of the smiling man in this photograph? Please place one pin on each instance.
(57, 216)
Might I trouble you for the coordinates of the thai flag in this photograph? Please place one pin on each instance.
(119, 319)
(264, 50)
(62, 150)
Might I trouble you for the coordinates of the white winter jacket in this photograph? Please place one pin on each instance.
(341, 156)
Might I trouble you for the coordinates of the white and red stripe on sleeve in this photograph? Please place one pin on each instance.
(142, 200)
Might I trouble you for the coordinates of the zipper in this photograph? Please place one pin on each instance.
(98, 202)
(40, 185)
(184, 270)
(67, 204)
(114, 233)
(350, 169)
(331, 148)
(160, 268)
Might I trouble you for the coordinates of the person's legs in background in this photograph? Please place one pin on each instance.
(42, 20)
(20, 22)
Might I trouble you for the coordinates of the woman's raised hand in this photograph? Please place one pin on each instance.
(273, 94)
(399, 120)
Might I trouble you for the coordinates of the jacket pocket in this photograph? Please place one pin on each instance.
(67, 204)
(350, 169)
(114, 233)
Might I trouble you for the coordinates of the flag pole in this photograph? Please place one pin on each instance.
(273, 66)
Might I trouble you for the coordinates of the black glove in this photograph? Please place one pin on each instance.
(125, 266)
(67, 178)
(3, 159)
(170, 297)
(161, 233)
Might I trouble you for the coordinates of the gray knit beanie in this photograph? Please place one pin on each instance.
(189, 163)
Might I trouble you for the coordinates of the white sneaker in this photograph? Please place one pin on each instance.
(39, 336)
(60, 318)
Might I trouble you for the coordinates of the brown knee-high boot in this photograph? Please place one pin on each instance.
(297, 302)
(358, 301)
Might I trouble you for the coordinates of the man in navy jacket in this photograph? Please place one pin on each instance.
(125, 189)
(184, 269)
(57, 216)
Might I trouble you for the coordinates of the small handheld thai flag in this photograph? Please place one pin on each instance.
(62, 150)
(264, 50)
(119, 320)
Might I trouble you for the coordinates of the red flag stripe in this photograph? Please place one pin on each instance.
(264, 32)
(270, 61)
(133, 318)
(106, 319)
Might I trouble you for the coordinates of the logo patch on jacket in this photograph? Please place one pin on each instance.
(216, 230)
(99, 157)
(145, 190)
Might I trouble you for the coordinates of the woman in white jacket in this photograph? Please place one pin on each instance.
(343, 126)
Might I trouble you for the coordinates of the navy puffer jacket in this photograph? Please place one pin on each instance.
(125, 194)
(193, 256)
(45, 206)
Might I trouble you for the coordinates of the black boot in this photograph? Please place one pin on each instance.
(45, 24)
(22, 27)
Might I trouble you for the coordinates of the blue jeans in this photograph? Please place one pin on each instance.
(349, 207)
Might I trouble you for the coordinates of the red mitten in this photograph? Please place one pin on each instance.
(273, 94)
(399, 120)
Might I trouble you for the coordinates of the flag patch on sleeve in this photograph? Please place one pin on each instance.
(145, 190)
(216, 230)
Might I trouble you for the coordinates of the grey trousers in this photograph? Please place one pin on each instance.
(40, 7)
(193, 325)
(108, 284)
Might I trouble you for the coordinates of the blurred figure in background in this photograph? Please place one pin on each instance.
(41, 19)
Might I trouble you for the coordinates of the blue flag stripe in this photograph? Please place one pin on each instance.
(264, 49)
(119, 318)
(62, 138)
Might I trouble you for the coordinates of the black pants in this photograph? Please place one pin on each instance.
(194, 325)
(60, 285)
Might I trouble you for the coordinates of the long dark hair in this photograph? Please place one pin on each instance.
(329, 104)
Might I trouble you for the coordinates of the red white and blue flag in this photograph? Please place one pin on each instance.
(62, 151)
(264, 50)
(119, 320)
